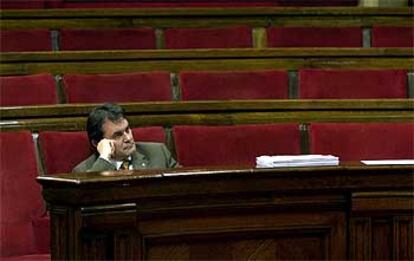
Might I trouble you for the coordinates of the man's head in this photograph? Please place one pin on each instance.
(108, 122)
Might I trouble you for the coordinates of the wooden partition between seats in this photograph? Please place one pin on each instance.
(168, 114)
(174, 61)
(323, 213)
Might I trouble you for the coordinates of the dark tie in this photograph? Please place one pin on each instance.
(125, 165)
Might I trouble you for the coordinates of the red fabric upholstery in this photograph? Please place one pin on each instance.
(106, 39)
(137, 4)
(62, 151)
(352, 84)
(27, 90)
(228, 37)
(126, 87)
(150, 134)
(318, 2)
(234, 85)
(233, 145)
(21, 201)
(25, 40)
(392, 36)
(358, 141)
(22, 4)
(314, 37)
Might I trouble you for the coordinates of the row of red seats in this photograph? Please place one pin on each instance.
(180, 38)
(208, 85)
(38, 4)
(25, 225)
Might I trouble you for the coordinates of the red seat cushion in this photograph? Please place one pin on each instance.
(125, 87)
(314, 37)
(21, 200)
(359, 141)
(105, 39)
(352, 84)
(227, 37)
(233, 145)
(25, 40)
(391, 36)
(218, 85)
(28, 90)
(77, 148)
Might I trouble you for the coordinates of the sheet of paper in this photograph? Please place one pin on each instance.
(389, 162)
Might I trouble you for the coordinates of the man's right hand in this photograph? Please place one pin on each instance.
(106, 148)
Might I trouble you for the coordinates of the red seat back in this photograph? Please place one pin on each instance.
(28, 90)
(352, 84)
(21, 200)
(125, 87)
(106, 39)
(233, 145)
(22, 4)
(359, 141)
(62, 151)
(392, 36)
(25, 40)
(314, 37)
(227, 37)
(234, 85)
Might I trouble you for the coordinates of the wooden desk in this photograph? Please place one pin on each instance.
(344, 212)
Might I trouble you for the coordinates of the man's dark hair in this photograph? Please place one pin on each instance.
(97, 117)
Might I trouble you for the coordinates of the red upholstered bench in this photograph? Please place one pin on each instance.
(24, 226)
(352, 84)
(25, 40)
(314, 37)
(392, 36)
(225, 37)
(221, 85)
(34, 89)
(363, 141)
(107, 39)
(233, 145)
(62, 151)
(123, 87)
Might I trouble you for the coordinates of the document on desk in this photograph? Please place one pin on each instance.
(296, 161)
(389, 162)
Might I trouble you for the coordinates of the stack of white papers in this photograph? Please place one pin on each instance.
(296, 161)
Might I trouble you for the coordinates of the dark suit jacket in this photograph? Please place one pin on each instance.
(149, 155)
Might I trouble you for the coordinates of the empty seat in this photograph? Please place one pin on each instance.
(233, 145)
(24, 225)
(34, 89)
(106, 39)
(392, 36)
(314, 37)
(352, 84)
(359, 141)
(125, 87)
(25, 40)
(227, 37)
(216, 85)
(62, 151)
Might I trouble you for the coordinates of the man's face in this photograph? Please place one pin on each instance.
(121, 134)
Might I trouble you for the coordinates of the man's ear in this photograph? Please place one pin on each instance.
(94, 143)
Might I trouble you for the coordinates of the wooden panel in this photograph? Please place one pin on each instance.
(221, 59)
(202, 17)
(232, 213)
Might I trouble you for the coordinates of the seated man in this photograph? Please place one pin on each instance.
(110, 134)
